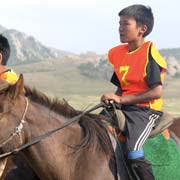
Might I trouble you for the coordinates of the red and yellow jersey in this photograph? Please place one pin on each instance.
(130, 68)
(9, 75)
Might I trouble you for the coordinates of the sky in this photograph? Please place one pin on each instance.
(87, 25)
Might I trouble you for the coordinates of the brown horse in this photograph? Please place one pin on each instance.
(79, 151)
(175, 130)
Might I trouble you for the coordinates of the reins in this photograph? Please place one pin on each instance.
(41, 137)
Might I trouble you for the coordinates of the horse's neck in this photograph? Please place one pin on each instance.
(56, 157)
(41, 119)
(52, 151)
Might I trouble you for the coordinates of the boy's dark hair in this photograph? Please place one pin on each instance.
(4, 49)
(142, 14)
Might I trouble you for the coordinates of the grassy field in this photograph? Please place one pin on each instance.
(62, 79)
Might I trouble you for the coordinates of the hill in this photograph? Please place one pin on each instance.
(26, 49)
(174, 52)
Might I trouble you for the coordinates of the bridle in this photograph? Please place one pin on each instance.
(19, 128)
(43, 136)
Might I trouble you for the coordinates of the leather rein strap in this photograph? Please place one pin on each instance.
(39, 138)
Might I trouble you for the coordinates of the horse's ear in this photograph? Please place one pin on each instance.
(17, 88)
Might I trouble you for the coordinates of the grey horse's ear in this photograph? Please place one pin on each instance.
(17, 88)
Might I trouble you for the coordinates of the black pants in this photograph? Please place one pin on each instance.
(139, 123)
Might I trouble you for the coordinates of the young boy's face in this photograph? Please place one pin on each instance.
(129, 31)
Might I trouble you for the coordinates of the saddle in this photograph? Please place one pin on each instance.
(165, 121)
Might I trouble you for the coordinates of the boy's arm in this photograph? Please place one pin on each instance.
(154, 92)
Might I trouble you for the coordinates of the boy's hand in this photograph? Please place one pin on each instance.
(110, 98)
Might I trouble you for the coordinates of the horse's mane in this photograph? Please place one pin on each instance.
(95, 134)
(54, 104)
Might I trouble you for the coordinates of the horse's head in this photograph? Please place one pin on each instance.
(12, 105)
